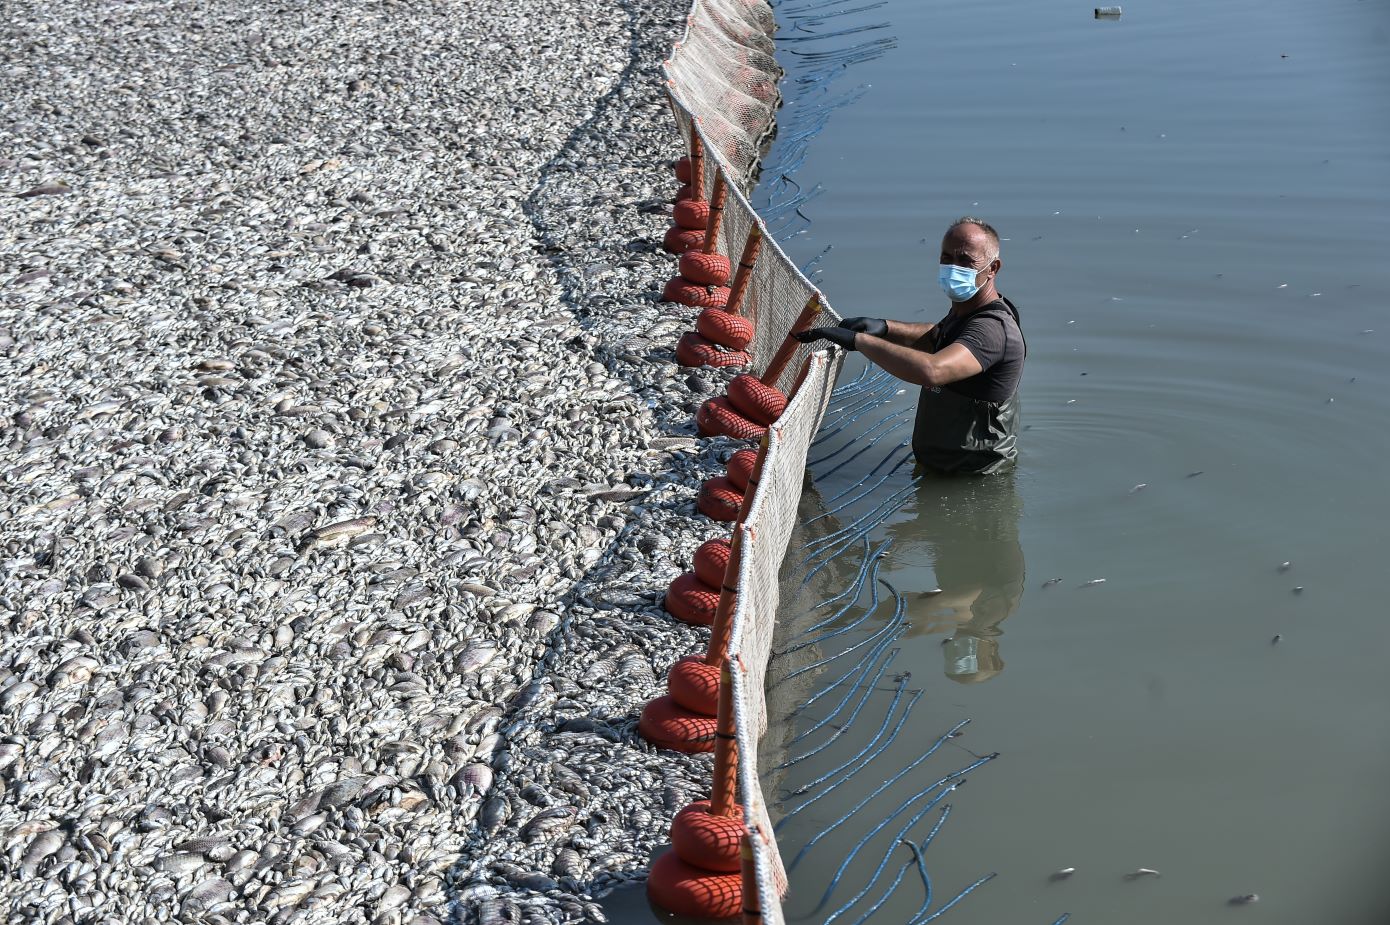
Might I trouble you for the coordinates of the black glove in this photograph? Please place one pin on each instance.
(840, 337)
(876, 327)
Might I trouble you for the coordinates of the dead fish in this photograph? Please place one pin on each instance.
(547, 820)
(1244, 899)
(1140, 487)
(338, 533)
(1193, 475)
(1275, 640)
(47, 189)
(1051, 581)
(494, 813)
(1143, 872)
(44, 844)
(1285, 566)
(1062, 874)
(1093, 582)
(1298, 589)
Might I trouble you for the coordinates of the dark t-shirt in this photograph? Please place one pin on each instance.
(991, 334)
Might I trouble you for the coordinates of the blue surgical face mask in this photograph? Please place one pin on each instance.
(959, 282)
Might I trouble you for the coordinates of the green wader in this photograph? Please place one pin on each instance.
(957, 434)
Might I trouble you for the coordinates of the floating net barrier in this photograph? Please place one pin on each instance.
(724, 87)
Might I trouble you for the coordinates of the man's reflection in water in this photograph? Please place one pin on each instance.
(966, 529)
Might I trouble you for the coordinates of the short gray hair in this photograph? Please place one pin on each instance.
(984, 226)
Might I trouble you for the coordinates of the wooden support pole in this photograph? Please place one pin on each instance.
(789, 345)
(752, 907)
(721, 801)
(751, 248)
(697, 162)
(716, 213)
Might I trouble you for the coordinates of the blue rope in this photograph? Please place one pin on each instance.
(881, 787)
(959, 896)
(892, 415)
(878, 871)
(867, 491)
(912, 701)
(893, 625)
(831, 634)
(857, 585)
(869, 662)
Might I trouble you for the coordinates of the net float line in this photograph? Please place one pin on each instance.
(694, 681)
(683, 169)
(686, 191)
(692, 350)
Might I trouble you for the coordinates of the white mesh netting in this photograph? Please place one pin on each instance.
(722, 80)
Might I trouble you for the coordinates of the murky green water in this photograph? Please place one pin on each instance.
(1194, 202)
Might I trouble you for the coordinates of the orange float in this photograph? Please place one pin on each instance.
(717, 418)
(679, 289)
(756, 399)
(706, 268)
(694, 350)
(667, 724)
(725, 329)
(707, 840)
(683, 169)
(694, 684)
(740, 470)
(692, 214)
(712, 558)
(687, 890)
(691, 601)
(678, 240)
(719, 499)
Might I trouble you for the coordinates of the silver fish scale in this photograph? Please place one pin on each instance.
(275, 371)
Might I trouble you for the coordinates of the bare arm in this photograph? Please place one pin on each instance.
(950, 364)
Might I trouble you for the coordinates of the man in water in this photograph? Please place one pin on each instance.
(968, 364)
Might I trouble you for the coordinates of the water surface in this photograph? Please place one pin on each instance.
(1194, 205)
